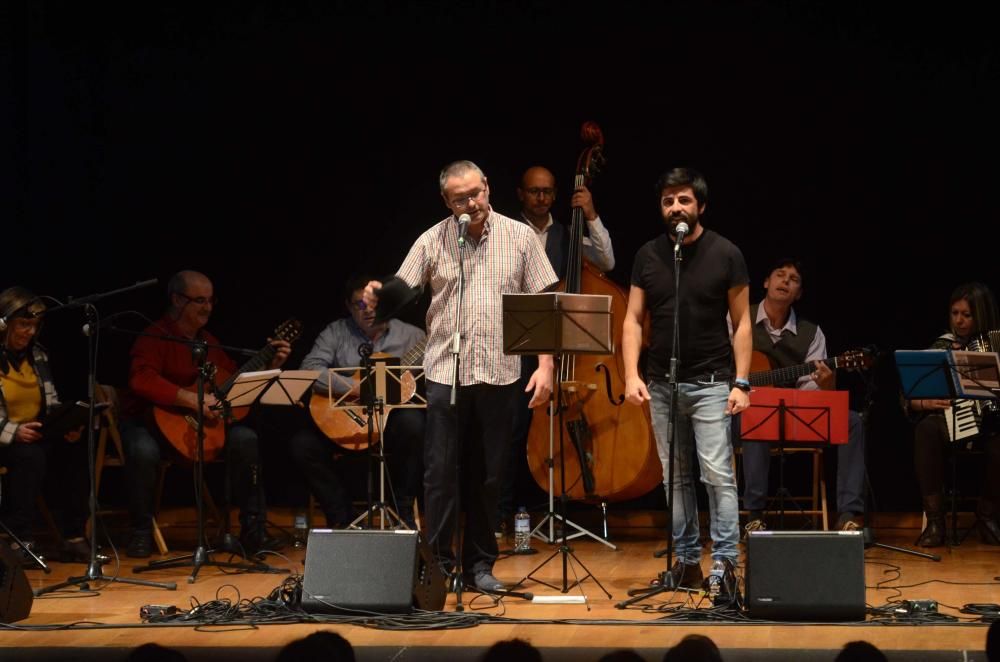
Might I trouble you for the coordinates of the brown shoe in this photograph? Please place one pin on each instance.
(682, 575)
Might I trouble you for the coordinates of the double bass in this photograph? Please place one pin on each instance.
(610, 452)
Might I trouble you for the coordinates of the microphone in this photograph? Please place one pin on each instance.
(500, 593)
(463, 227)
(681, 230)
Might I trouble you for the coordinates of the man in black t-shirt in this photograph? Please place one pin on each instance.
(713, 282)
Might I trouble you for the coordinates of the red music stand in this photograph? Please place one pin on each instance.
(789, 416)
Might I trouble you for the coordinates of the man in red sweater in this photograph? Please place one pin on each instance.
(163, 373)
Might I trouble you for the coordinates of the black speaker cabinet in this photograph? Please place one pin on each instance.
(806, 575)
(370, 571)
(15, 591)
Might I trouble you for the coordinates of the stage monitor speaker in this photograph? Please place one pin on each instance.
(15, 591)
(370, 571)
(806, 575)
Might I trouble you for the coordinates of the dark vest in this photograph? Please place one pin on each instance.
(556, 246)
(791, 349)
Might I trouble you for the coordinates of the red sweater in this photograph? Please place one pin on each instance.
(161, 367)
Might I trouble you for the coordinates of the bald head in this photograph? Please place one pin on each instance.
(537, 192)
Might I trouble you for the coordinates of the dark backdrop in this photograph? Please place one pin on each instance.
(280, 148)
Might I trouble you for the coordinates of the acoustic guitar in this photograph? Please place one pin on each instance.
(762, 374)
(179, 425)
(347, 426)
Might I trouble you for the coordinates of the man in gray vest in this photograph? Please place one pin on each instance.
(789, 340)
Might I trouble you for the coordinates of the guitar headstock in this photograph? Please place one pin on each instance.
(289, 330)
(855, 359)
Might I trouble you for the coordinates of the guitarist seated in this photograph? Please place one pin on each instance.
(337, 346)
(163, 373)
(785, 340)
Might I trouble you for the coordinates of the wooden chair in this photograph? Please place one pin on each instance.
(813, 504)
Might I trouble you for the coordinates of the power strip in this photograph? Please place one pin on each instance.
(559, 599)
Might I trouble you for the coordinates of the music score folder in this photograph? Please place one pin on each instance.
(810, 416)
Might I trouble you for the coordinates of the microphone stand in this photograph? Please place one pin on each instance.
(456, 344)
(201, 555)
(91, 330)
(661, 581)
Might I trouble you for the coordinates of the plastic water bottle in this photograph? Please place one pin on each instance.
(522, 530)
(300, 530)
(715, 578)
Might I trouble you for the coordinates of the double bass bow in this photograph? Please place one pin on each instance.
(610, 454)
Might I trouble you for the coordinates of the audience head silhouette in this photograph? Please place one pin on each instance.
(322, 645)
(694, 648)
(513, 650)
(860, 651)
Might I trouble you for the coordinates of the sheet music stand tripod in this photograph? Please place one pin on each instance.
(559, 324)
(937, 374)
(388, 382)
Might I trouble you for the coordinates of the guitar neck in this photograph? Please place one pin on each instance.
(787, 375)
(416, 354)
(260, 360)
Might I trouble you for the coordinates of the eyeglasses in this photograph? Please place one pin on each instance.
(360, 305)
(543, 192)
(199, 301)
(464, 201)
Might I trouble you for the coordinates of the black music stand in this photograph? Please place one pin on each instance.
(784, 416)
(942, 374)
(558, 324)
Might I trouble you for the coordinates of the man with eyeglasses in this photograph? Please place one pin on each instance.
(537, 193)
(338, 346)
(163, 373)
(498, 255)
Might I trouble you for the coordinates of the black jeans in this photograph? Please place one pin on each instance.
(467, 443)
(313, 455)
(57, 464)
(144, 449)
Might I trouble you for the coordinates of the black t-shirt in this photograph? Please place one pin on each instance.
(711, 266)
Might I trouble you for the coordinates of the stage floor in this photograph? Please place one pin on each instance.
(565, 631)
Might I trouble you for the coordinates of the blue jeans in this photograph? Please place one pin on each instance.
(702, 429)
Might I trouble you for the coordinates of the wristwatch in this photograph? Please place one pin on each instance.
(742, 384)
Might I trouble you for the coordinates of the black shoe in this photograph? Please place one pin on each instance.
(485, 581)
(140, 546)
(681, 575)
(989, 531)
(933, 535)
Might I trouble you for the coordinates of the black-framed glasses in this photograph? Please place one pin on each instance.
(464, 201)
(199, 301)
(543, 192)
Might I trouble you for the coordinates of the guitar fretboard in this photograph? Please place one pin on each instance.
(787, 375)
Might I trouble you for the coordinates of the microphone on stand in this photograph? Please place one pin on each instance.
(463, 228)
(681, 230)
